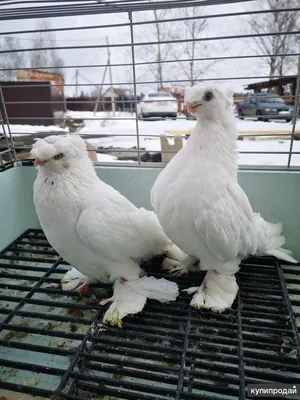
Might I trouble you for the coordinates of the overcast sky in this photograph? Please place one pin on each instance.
(216, 27)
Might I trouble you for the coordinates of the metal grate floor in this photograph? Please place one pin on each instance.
(53, 346)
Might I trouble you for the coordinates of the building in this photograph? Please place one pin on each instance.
(285, 87)
(117, 99)
(32, 103)
(35, 75)
(33, 97)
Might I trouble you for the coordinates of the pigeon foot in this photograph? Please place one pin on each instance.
(75, 280)
(180, 268)
(124, 302)
(217, 292)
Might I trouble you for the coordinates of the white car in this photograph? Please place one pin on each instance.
(157, 104)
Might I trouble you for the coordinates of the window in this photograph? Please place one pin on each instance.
(273, 100)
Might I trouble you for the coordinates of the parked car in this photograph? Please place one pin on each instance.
(264, 107)
(235, 109)
(157, 104)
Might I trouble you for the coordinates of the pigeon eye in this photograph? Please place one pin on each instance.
(58, 156)
(208, 96)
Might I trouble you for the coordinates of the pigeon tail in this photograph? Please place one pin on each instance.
(273, 240)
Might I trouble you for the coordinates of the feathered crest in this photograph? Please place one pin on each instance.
(70, 145)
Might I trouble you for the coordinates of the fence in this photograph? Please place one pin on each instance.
(152, 45)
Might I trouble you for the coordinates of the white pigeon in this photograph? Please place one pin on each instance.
(202, 208)
(96, 229)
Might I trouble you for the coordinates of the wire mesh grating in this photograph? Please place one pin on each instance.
(131, 70)
(54, 345)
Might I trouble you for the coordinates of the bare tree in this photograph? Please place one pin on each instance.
(157, 53)
(11, 61)
(45, 58)
(276, 47)
(191, 50)
(162, 50)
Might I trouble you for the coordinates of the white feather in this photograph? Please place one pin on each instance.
(199, 202)
(73, 279)
(270, 235)
(217, 292)
(155, 289)
(91, 225)
(130, 296)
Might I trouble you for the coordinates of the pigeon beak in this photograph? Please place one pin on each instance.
(192, 107)
(37, 162)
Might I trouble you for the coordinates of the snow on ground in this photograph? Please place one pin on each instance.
(90, 115)
(21, 130)
(110, 158)
(106, 158)
(120, 133)
(149, 131)
(274, 146)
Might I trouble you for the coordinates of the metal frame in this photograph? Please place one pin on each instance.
(29, 9)
(86, 7)
(6, 136)
(167, 351)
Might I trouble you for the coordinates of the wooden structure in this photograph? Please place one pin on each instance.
(171, 146)
(92, 151)
(112, 97)
(169, 149)
(32, 103)
(40, 76)
(278, 85)
(81, 103)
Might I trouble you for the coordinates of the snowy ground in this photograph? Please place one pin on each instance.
(149, 132)
(20, 130)
(120, 133)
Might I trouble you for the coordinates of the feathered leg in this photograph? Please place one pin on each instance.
(178, 263)
(131, 292)
(219, 288)
(182, 266)
(75, 280)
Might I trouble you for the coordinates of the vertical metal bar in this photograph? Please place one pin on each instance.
(134, 87)
(11, 146)
(180, 382)
(113, 103)
(290, 310)
(242, 394)
(76, 81)
(5, 138)
(296, 109)
(74, 361)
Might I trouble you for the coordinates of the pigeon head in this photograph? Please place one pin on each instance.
(59, 152)
(204, 100)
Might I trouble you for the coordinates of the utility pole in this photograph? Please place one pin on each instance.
(110, 78)
(76, 82)
(100, 90)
